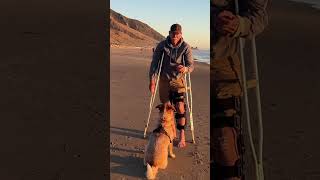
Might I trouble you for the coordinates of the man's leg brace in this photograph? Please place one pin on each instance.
(175, 98)
(228, 145)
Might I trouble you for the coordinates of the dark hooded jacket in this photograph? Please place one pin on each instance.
(172, 57)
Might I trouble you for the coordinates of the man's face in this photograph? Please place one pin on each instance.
(175, 36)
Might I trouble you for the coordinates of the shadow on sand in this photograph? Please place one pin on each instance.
(129, 166)
(127, 132)
(125, 150)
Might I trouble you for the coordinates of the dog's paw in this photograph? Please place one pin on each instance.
(172, 156)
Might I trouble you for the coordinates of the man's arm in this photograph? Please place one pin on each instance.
(188, 58)
(254, 20)
(155, 61)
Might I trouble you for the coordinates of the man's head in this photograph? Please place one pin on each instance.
(175, 33)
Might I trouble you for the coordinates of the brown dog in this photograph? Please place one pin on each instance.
(160, 143)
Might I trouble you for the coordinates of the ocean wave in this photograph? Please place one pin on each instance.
(201, 55)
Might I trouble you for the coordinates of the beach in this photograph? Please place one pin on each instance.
(129, 100)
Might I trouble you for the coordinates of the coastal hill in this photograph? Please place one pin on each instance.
(130, 32)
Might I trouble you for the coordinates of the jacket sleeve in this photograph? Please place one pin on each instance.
(253, 21)
(188, 58)
(157, 54)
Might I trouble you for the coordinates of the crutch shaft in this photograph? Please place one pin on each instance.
(189, 102)
(153, 96)
(245, 90)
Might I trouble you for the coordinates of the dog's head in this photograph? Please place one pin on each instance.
(166, 112)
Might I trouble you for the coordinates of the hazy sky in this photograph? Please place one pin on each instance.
(193, 15)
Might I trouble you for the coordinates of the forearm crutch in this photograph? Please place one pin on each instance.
(189, 100)
(257, 161)
(153, 96)
(260, 124)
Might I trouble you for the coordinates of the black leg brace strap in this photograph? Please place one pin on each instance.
(179, 116)
(220, 105)
(176, 97)
(222, 172)
(180, 127)
(222, 121)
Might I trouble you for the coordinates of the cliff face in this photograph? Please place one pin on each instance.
(130, 32)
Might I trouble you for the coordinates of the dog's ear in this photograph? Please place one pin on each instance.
(160, 107)
(170, 106)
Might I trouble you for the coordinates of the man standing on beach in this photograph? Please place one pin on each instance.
(177, 61)
(226, 141)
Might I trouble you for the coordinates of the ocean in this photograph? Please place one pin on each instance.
(313, 3)
(201, 55)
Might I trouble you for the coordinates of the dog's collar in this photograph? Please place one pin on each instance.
(160, 129)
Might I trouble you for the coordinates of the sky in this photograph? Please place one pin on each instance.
(192, 15)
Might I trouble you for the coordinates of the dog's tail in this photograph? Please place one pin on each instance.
(151, 171)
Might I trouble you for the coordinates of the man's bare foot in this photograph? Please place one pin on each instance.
(182, 141)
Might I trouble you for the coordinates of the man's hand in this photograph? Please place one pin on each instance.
(152, 86)
(182, 69)
(227, 23)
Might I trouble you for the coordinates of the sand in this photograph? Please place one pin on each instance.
(129, 110)
(53, 91)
